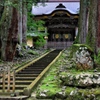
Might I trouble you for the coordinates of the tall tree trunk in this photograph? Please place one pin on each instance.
(83, 19)
(20, 22)
(1, 12)
(9, 31)
(1, 7)
(98, 27)
(92, 30)
(24, 22)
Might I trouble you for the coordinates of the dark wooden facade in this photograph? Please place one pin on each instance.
(61, 26)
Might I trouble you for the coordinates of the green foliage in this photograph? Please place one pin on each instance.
(90, 40)
(40, 42)
(34, 25)
(75, 47)
(97, 58)
(77, 39)
(0, 61)
(32, 52)
(86, 2)
(52, 88)
(8, 3)
(29, 6)
(83, 45)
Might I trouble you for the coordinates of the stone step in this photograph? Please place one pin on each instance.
(25, 78)
(32, 69)
(13, 98)
(26, 75)
(22, 78)
(36, 67)
(8, 93)
(25, 82)
(16, 86)
(30, 72)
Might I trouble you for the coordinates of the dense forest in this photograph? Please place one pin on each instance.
(13, 25)
(16, 20)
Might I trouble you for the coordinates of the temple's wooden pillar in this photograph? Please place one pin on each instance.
(76, 31)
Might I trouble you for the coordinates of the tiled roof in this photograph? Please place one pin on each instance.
(49, 7)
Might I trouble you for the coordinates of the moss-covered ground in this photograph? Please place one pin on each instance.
(51, 86)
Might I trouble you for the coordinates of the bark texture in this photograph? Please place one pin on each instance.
(20, 21)
(98, 23)
(83, 19)
(24, 22)
(12, 38)
(13, 22)
(92, 30)
(9, 31)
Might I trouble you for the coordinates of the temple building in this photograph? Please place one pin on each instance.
(61, 21)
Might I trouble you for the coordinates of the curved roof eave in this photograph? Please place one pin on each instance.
(68, 10)
(72, 7)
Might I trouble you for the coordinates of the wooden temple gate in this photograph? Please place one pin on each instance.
(61, 26)
(60, 38)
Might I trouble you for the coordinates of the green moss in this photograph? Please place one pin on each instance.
(69, 89)
(53, 85)
(95, 91)
(49, 86)
(82, 94)
(83, 45)
(91, 43)
(49, 79)
(97, 58)
(74, 71)
(32, 52)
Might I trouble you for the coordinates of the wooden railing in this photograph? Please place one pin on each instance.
(7, 78)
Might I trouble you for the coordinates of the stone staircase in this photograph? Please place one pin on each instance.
(26, 77)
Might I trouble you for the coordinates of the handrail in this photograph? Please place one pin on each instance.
(7, 77)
